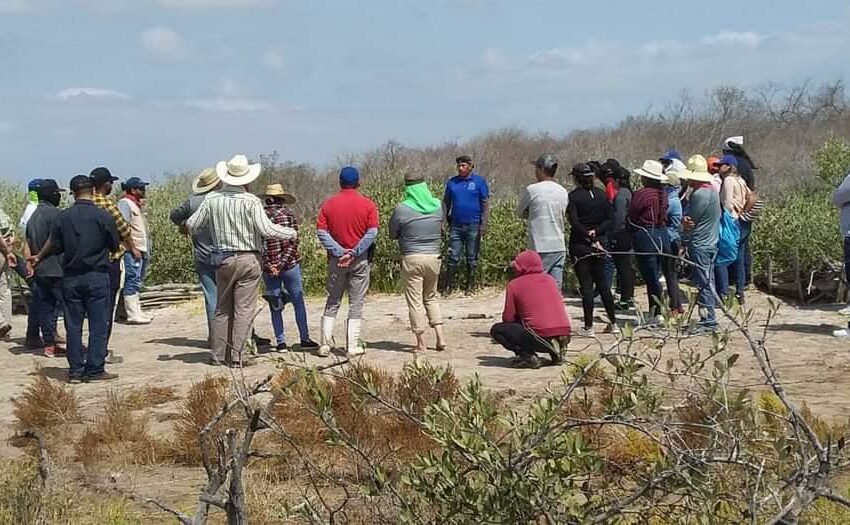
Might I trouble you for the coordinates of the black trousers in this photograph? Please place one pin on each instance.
(624, 263)
(669, 268)
(114, 286)
(518, 339)
(590, 271)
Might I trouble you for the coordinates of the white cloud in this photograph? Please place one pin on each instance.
(229, 105)
(729, 38)
(87, 92)
(215, 4)
(274, 59)
(166, 44)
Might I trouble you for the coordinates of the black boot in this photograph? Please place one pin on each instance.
(449, 280)
(470, 280)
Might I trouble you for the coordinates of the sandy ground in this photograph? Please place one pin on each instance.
(814, 366)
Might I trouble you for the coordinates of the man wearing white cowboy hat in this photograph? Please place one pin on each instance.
(202, 243)
(238, 224)
(702, 226)
(282, 271)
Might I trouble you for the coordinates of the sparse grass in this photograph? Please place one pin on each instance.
(203, 402)
(421, 384)
(45, 405)
(149, 396)
(119, 435)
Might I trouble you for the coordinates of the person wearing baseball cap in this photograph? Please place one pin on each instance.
(131, 206)
(467, 212)
(83, 236)
(46, 303)
(347, 226)
(591, 217)
(32, 202)
(102, 181)
(543, 205)
(733, 198)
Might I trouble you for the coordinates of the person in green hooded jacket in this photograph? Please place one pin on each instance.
(417, 225)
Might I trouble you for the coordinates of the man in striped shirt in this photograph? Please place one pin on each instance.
(238, 225)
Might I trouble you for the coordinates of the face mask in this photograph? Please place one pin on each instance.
(54, 198)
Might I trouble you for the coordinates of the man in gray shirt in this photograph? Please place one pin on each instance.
(544, 205)
(701, 223)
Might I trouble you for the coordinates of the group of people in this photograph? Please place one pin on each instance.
(79, 259)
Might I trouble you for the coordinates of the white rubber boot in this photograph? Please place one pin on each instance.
(327, 337)
(134, 310)
(354, 346)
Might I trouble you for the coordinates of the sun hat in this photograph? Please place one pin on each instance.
(652, 169)
(237, 171)
(547, 161)
(732, 142)
(134, 183)
(673, 177)
(349, 176)
(729, 160)
(101, 175)
(276, 190)
(697, 170)
(581, 169)
(205, 181)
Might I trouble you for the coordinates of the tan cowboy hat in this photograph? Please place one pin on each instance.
(697, 170)
(205, 181)
(237, 171)
(276, 190)
(652, 169)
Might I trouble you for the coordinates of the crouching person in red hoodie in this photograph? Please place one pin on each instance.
(534, 319)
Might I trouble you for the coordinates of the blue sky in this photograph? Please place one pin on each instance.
(153, 86)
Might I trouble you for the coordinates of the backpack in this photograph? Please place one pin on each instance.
(727, 245)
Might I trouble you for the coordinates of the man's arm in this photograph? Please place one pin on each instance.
(11, 260)
(447, 204)
(841, 195)
(524, 202)
(395, 225)
(125, 210)
(267, 228)
(199, 219)
(509, 312)
(484, 195)
(366, 242)
(329, 244)
(181, 214)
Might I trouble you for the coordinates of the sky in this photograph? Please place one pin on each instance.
(148, 87)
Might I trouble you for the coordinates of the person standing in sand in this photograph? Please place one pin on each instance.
(417, 225)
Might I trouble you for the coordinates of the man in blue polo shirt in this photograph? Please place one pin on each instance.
(467, 212)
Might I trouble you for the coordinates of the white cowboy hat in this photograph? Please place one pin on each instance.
(237, 171)
(276, 190)
(697, 170)
(205, 181)
(737, 140)
(652, 169)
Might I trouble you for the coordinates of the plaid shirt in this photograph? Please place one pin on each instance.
(101, 201)
(280, 256)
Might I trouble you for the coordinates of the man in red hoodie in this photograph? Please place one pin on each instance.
(534, 319)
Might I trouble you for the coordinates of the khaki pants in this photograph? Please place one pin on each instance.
(419, 276)
(238, 285)
(5, 293)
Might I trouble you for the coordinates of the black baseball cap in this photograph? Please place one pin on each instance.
(581, 169)
(547, 161)
(135, 183)
(463, 159)
(101, 175)
(49, 187)
(80, 183)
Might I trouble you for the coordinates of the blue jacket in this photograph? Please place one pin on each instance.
(674, 213)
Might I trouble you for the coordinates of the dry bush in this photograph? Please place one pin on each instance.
(421, 384)
(45, 404)
(119, 435)
(149, 396)
(203, 402)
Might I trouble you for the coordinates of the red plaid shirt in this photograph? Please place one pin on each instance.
(280, 256)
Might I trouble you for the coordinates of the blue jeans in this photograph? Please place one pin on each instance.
(721, 280)
(291, 281)
(740, 264)
(649, 242)
(206, 276)
(553, 264)
(466, 238)
(86, 295)
(45, 307)
(134, 273)
(702, 275)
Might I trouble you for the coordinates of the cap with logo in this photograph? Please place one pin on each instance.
(580, 169)
(547, 161)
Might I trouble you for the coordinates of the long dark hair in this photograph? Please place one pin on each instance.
(738, 150)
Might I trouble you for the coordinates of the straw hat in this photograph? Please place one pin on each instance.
(652, 169)
(205, 181)
(276, 190)
(237, 171)
(697, 170)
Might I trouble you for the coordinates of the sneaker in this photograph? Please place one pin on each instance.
(529, 362)
(75, 380)
(5, 328)
(262, 341)
(555, 357)
(282, 348)
(611, 328)
(845, 310)
(323, 351)
(309, 345)
(844, 332)
(586, 332)
(50, 351)
(624, 305)
(33, 343)
(698, 330)
(103, 376)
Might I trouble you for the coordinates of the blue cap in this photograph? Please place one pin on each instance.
(672, 154)
(34, 185)
(134, 183)
(727, 159)
(349, 176)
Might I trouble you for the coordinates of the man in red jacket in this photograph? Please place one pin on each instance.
(534, 319)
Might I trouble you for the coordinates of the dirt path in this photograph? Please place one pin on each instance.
(814, 366)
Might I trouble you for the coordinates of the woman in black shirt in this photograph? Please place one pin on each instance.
(591, 217)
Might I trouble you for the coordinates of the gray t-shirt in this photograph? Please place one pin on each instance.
(417, 233)
(544, 204)
(704, 209)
